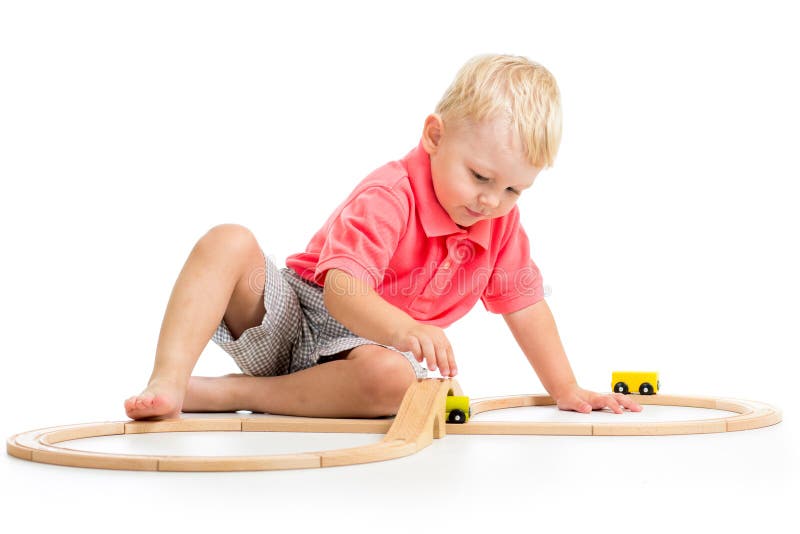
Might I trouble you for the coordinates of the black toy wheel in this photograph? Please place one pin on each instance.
(456, 416)
(646, 388)
(621, 387)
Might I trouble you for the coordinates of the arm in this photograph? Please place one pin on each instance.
(359, 308)
(535, 331)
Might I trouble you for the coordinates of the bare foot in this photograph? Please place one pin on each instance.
(159, 400)
(213, 394)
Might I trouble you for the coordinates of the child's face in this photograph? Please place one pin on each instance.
(478, 170)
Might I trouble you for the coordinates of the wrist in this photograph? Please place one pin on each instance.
(402, 327)
(563, 390)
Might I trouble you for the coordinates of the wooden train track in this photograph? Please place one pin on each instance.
(418, 422)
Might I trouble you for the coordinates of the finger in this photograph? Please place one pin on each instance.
(429, 352)
(442, 345)
(416, 349)
(583, 406)
(441, 358)
(613, 404)
(575, 404)
(628, 403)
(451, 361)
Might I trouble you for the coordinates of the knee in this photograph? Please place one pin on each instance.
(227, 239)
(385, 378)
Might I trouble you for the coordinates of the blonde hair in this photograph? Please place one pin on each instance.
(513, 88)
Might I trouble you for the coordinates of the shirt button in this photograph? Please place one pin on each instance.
(446, 265)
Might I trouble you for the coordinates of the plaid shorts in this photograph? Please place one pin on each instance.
(296, 333)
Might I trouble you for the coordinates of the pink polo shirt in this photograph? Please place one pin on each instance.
(393, 234)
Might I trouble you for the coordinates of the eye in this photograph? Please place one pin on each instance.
(512, 190)
(479, 177)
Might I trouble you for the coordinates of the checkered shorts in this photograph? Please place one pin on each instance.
(296, 333)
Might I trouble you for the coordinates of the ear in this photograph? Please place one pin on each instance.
(432, 133)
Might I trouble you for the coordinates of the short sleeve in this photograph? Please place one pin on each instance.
(515, 282)
(364, 236)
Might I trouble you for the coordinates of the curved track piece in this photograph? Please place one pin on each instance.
(419, 420)
(750, 415)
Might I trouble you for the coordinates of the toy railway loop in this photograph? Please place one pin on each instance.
(418, 422)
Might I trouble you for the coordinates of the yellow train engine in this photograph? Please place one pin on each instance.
(642, 382)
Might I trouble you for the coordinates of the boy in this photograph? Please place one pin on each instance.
(342, 330)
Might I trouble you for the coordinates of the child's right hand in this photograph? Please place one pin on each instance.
(427, 342)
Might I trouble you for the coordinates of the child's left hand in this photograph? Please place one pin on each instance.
(581, 400)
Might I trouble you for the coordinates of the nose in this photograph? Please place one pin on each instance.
(488, 201)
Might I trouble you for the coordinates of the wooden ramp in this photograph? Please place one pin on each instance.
(419, 420)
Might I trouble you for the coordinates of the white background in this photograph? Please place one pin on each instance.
(668, 231)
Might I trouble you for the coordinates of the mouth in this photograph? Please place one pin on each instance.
(475, 214)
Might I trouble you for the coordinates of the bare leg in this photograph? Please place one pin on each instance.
(371, 382)
(223, 277)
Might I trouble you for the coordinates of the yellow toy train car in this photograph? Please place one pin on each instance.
(642, 382)
(457, 409)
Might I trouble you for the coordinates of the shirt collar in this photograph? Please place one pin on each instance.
(435, 220)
